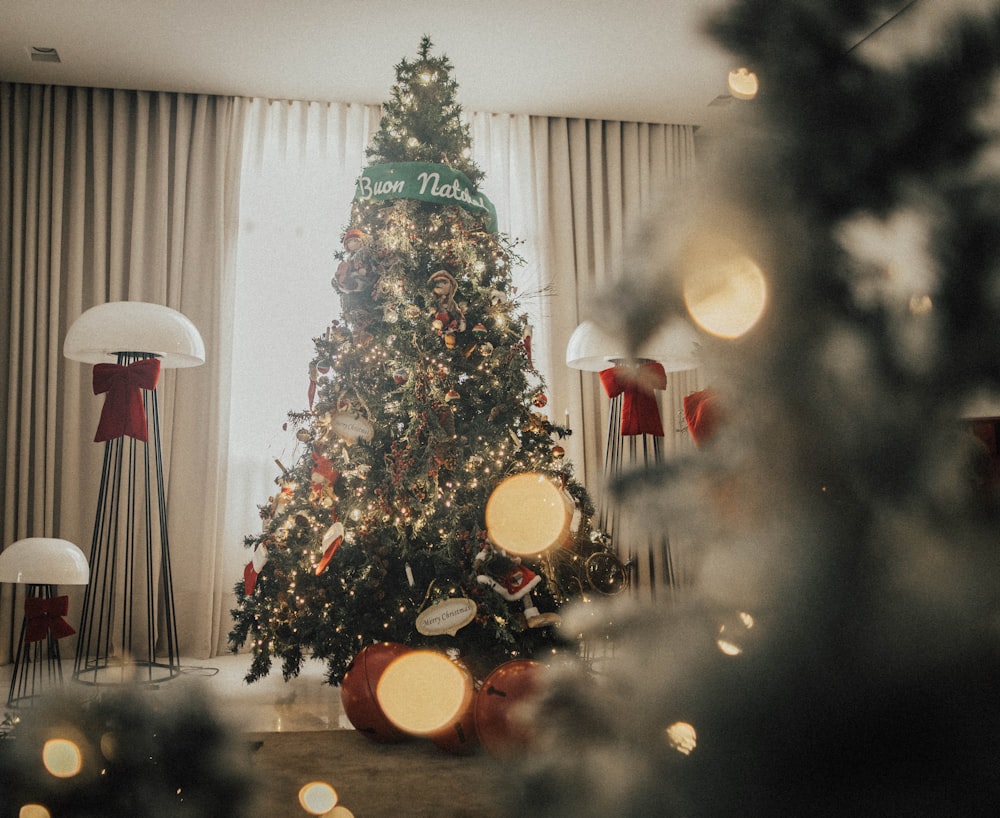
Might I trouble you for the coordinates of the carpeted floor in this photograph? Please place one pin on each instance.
(414, 779)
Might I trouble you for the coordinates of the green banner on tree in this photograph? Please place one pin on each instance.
(426, 181)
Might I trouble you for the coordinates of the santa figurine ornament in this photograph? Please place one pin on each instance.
(516, 583)
(351, 278)
(447, 311)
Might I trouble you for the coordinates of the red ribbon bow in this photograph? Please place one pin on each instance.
(702, 415)
(123, 412)
(44, 615)
(640, 411)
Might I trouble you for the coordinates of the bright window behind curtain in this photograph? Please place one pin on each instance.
(300, 165)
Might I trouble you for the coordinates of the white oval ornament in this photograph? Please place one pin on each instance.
(448, 616)
(528, 514)
(352, 428)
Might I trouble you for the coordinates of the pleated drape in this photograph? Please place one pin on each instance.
(111, 195)
(596, 183)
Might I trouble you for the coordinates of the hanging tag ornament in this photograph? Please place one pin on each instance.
(352, 427)
(448, 616)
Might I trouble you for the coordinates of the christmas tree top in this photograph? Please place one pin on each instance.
(421, 121)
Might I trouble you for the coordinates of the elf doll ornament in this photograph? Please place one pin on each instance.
(516, 582)
(446, 309)
(351, 279)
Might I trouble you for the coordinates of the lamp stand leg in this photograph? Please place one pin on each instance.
(128, 628)
(37, 664)
(649, 555)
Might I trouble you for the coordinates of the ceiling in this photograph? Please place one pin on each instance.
(640, 60)
(630, 60)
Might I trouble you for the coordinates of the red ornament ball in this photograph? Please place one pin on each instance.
(502, 707)
(460, 737)
(357, 692)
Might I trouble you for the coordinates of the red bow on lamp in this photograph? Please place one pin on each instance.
(123, 412)
(702, 415)
(44, 616)
(640, 411)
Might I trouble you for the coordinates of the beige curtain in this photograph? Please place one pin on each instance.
(105, 196)
(110, 195)
(574, 192)
(596, 182)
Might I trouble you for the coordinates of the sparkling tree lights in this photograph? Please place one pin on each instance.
(422, 398)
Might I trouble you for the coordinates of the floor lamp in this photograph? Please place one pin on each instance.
(40, 564)
(128, 628)
(635, 433)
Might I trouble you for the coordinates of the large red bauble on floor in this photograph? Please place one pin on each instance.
(502, 721)
(459, 737)
(357, 692)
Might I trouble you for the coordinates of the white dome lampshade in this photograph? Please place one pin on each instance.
(101, 332)
(592, 349)
(44, 561)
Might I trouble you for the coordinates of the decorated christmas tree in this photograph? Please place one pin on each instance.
(431, 504)
(837, 650)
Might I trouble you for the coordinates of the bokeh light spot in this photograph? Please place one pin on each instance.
(527, 514)
(317, 798)
(682, 737)
(33, 811)
(733, 634)
(743, 83)
(422, 691)
(726, 296)
(62, 757)
(109, 746)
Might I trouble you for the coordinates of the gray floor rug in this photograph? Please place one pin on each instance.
(413, 779)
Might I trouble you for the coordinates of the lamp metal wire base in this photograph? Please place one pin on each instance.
(128, 628)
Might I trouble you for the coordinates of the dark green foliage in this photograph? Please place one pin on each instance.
(838, 506)
(158, 755)
(420, 121)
